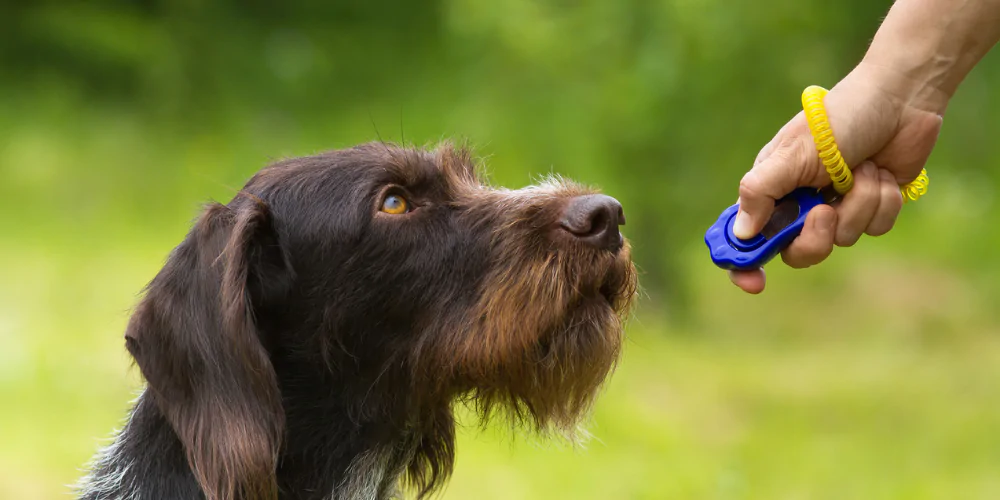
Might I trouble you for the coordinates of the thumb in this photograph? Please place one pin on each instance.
(792, 163)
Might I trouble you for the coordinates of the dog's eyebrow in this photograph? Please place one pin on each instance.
(457, 169)
(411, 168)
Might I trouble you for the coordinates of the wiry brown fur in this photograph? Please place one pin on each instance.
(302, 344)
(520, 347)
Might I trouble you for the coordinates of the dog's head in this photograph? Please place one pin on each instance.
(392, 271)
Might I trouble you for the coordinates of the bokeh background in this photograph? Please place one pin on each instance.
(874, 376)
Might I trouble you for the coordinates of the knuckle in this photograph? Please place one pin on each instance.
(764, 153)
(880, 228)
(790, 260)
(785, 148)
(806, 253)
(867, 187)
(795, 260)
(823, 251)
(847, 238)
(891, 205)
(804, 149)
(794, 153)
(750, 186)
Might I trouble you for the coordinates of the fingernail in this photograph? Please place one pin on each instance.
(741, 227)
(868, 168)
(826, 220)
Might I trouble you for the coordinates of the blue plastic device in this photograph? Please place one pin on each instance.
(730, 252)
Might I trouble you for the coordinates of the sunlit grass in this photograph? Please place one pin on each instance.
(860, 414)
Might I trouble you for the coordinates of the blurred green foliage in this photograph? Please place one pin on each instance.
(873, 376)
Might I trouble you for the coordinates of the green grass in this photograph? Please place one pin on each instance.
(884, 390)
(694, 418)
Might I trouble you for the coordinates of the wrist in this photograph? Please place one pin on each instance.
(925, 48)
(916, 86)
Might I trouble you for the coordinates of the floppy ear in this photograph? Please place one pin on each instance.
(195, 340)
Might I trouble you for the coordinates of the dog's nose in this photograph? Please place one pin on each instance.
(594, 220)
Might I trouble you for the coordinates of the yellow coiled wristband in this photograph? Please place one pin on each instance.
(829, 154)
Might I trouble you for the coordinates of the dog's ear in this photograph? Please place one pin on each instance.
(194, 338)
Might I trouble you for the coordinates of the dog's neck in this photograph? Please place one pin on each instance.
(325, 457)
(344, 436)
(146, 460)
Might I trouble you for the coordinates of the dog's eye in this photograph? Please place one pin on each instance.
(395, 204)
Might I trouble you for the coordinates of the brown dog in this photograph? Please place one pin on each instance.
(308, 339)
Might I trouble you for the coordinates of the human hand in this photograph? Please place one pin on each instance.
(881, 132)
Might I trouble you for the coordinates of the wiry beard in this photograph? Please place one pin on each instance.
(547, 327)
(546, 370)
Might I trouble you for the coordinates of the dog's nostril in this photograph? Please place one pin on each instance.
(594, 219)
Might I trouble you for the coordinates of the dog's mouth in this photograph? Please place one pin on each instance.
(613, 284)
(608, 293)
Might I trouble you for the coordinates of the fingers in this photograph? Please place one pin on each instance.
(871, 207)
(815, 243)
(890, 204)
(859, 205)
(749, 281)
(786, 163)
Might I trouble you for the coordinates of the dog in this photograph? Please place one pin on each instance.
(310, 339)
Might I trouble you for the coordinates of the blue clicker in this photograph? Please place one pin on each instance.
(730, 252)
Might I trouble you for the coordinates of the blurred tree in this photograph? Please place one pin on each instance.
(662, 103)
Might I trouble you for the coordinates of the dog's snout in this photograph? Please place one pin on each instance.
(594, 220)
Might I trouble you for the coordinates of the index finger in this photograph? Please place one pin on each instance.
(792, 163)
